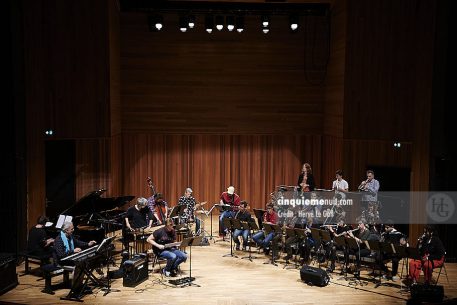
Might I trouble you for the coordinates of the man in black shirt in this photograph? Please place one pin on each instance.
(39, 242)
(159, 239)
(139, 215)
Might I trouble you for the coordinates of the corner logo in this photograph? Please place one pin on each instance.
(440, 207)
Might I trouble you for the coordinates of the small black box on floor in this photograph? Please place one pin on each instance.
(135, 270)
(8, 278)
(426, 293)
(314, 276)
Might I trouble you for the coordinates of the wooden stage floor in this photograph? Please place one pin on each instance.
(228, 281)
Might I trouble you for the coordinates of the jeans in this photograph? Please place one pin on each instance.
(261, 241)
(244, 234)
(225, 214)
(174, 257)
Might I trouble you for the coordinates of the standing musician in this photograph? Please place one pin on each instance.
(160, 208)
(243, 215)
(159, 240)
(432, 251)
(340, 186)
(191, 204)
(306, 179)
(269, 217)
(228, 198)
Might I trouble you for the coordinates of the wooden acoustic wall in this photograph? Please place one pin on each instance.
(224, 82)
(254, 165)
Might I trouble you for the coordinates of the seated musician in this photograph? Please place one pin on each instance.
(159, 239)
(341, 230)
(243, 215)
(228, 198)
(65, 244)
(432, 251)
(292, 223)
(391, 235)
(191, 204)
(160, 209)
(362, 234)
(269, 217)
(39, 243)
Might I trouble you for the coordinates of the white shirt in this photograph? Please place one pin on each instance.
(340, 185)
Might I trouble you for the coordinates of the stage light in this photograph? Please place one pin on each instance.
(293, 23)
(155, 23)
(230, 21)
(209, 23)
(183, 23)
(191, 21)
(219, 23)
(265, 20)
(240, 24)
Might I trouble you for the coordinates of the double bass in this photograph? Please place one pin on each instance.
(160, 208)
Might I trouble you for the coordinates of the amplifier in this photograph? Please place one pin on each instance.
(135, 271)
(426, 293)
(8, 278)
(314, 276)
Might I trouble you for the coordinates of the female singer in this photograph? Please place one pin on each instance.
(306, 179)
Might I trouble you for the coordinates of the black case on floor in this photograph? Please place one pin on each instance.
(314, 276)
(427, 293)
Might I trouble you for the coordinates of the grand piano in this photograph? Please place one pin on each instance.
(95, 216)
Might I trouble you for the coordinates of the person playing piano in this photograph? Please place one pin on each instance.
(65, 244)
(228, 198)
(39, 243)
(161, 240)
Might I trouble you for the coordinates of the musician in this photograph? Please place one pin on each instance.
(391, 235)
(341, 230)
(340, 185)
(306, 179)
(174, 257)
(191, 204)
(371, 187)
(361, 234)
(269, 217)
(432, 251)
(160, 209)
(228, 198)
(243, 215)
(139, 215)
(65, 244)
(39, 243)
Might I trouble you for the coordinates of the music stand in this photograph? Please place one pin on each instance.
(189, 242)
(275, 229)
(340, 241)
(291, 232)
(105, 246)
(401, 251)
(258, 213)
(376, 246)
(353, 244)
(229, 224)
(251, 226)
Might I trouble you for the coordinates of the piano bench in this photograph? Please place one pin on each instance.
(50, 271)
(32, 259)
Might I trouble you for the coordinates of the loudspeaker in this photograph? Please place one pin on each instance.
(426, 293)
(8, 280)
(135, 271)
(314, 276)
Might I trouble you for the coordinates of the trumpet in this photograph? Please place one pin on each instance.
(362, 185)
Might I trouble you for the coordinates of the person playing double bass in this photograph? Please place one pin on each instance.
(160, 209)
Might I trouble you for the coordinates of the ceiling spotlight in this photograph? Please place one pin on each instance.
(293, 23)
(265, 20)
(183, 23)
(209, 23)
(219, 23)
(230, 20)
(155, 23)
(240, 24)
(191, 21)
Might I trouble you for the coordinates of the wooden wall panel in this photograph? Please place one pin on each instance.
(210, 163)
(223, 83)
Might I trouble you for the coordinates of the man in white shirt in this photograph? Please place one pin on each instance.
(340, 186)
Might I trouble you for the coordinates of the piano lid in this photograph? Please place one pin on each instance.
(92, 202)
